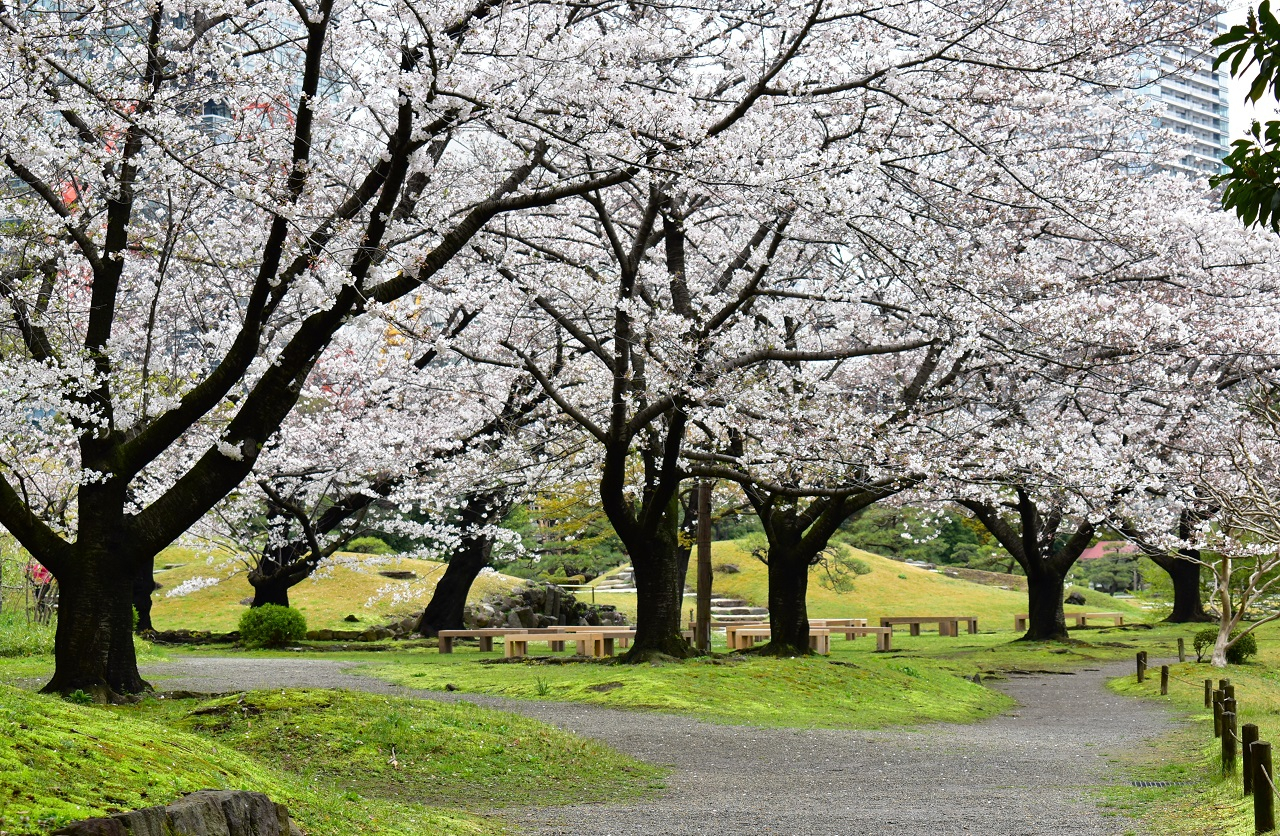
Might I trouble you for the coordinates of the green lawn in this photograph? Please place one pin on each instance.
(352, 587)
(891, 588)
(1207, 805)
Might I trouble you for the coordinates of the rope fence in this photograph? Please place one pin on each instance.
(1237, 743)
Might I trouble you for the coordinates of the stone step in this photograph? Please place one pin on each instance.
(728, 602)
(720, 611)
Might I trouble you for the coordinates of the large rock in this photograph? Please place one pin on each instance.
(203, 813)
(538, 605)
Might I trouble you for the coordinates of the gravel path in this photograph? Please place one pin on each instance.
(1031, 771)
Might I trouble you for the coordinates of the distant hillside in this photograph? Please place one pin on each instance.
(891, 588)
(352, 585)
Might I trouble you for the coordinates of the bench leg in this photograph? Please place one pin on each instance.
(973, 626)
(915, 629)
(446, 644)
(556, 647)
(882, 641)
(821, 645)
(486, 644)
(608, 646)
(515, 650)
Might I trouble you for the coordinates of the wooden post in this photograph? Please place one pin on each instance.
(1182, 650)
(1208, 693)
(1228, 691)
(1217, 713)
(1142, 666)
(1264, 799)
(1228, 738)
(702, 633)
(1164, 680)
(1248, 737)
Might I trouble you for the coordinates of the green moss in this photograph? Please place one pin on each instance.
(862, 691)
(343, 762)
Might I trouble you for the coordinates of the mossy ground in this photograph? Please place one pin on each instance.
(343, 762)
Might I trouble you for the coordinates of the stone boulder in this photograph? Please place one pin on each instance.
(1074, 598)
(538, 604)
(203, 813)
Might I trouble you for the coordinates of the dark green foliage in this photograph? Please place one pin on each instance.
(1252, 182)
(932, 537)
(271, 626)
(1107, 574)
(839, 569)
(369, 545)
(1237, 654)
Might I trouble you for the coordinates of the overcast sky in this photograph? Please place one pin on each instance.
(1243, 113)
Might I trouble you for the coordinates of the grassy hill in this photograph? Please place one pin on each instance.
(891, 588)
(351, 586)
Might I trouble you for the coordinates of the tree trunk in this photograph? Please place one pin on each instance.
(1187, 604)
(788, 602)
(659, 577)
(93, 645)
(271, 590)
(144, 583)
(1045, 588)
(444, 610)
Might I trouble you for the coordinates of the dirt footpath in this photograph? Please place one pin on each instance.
(1031, 771)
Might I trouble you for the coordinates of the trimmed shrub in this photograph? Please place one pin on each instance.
(369, 545)
(271, 625)
(1245, 646)
(1237, 654)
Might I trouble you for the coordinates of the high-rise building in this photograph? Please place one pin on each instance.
(1193, 102)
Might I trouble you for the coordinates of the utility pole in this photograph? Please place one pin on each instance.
(702, 625)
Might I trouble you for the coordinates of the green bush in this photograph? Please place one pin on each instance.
(369, 545)
(271, 626)
(1237, 654)
(1245, 646)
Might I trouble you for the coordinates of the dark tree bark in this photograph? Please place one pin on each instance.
(1030, 538)
(93, 642)
(660, 564)
(1188, 605)
(798, 532)
(144, 583)
(473, 553)
(1183, 570)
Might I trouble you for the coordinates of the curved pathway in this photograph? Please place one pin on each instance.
(1030, 771)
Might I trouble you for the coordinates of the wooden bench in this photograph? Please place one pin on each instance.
(837, 622)
(884, 635)
(745, 637)
(598, 645)
(486, 635)
(1081, 619)
(622, 636)
(948, 625)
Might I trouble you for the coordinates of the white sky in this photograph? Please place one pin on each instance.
(1242, 113)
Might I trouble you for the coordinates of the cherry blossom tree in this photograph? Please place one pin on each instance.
(211, 193)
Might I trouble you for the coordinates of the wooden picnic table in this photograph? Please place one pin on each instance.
(1081, 619)
(948, 625)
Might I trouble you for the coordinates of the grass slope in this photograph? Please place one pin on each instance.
(350, 587)
(891, 588)
(1208, 805)
(343, 762)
